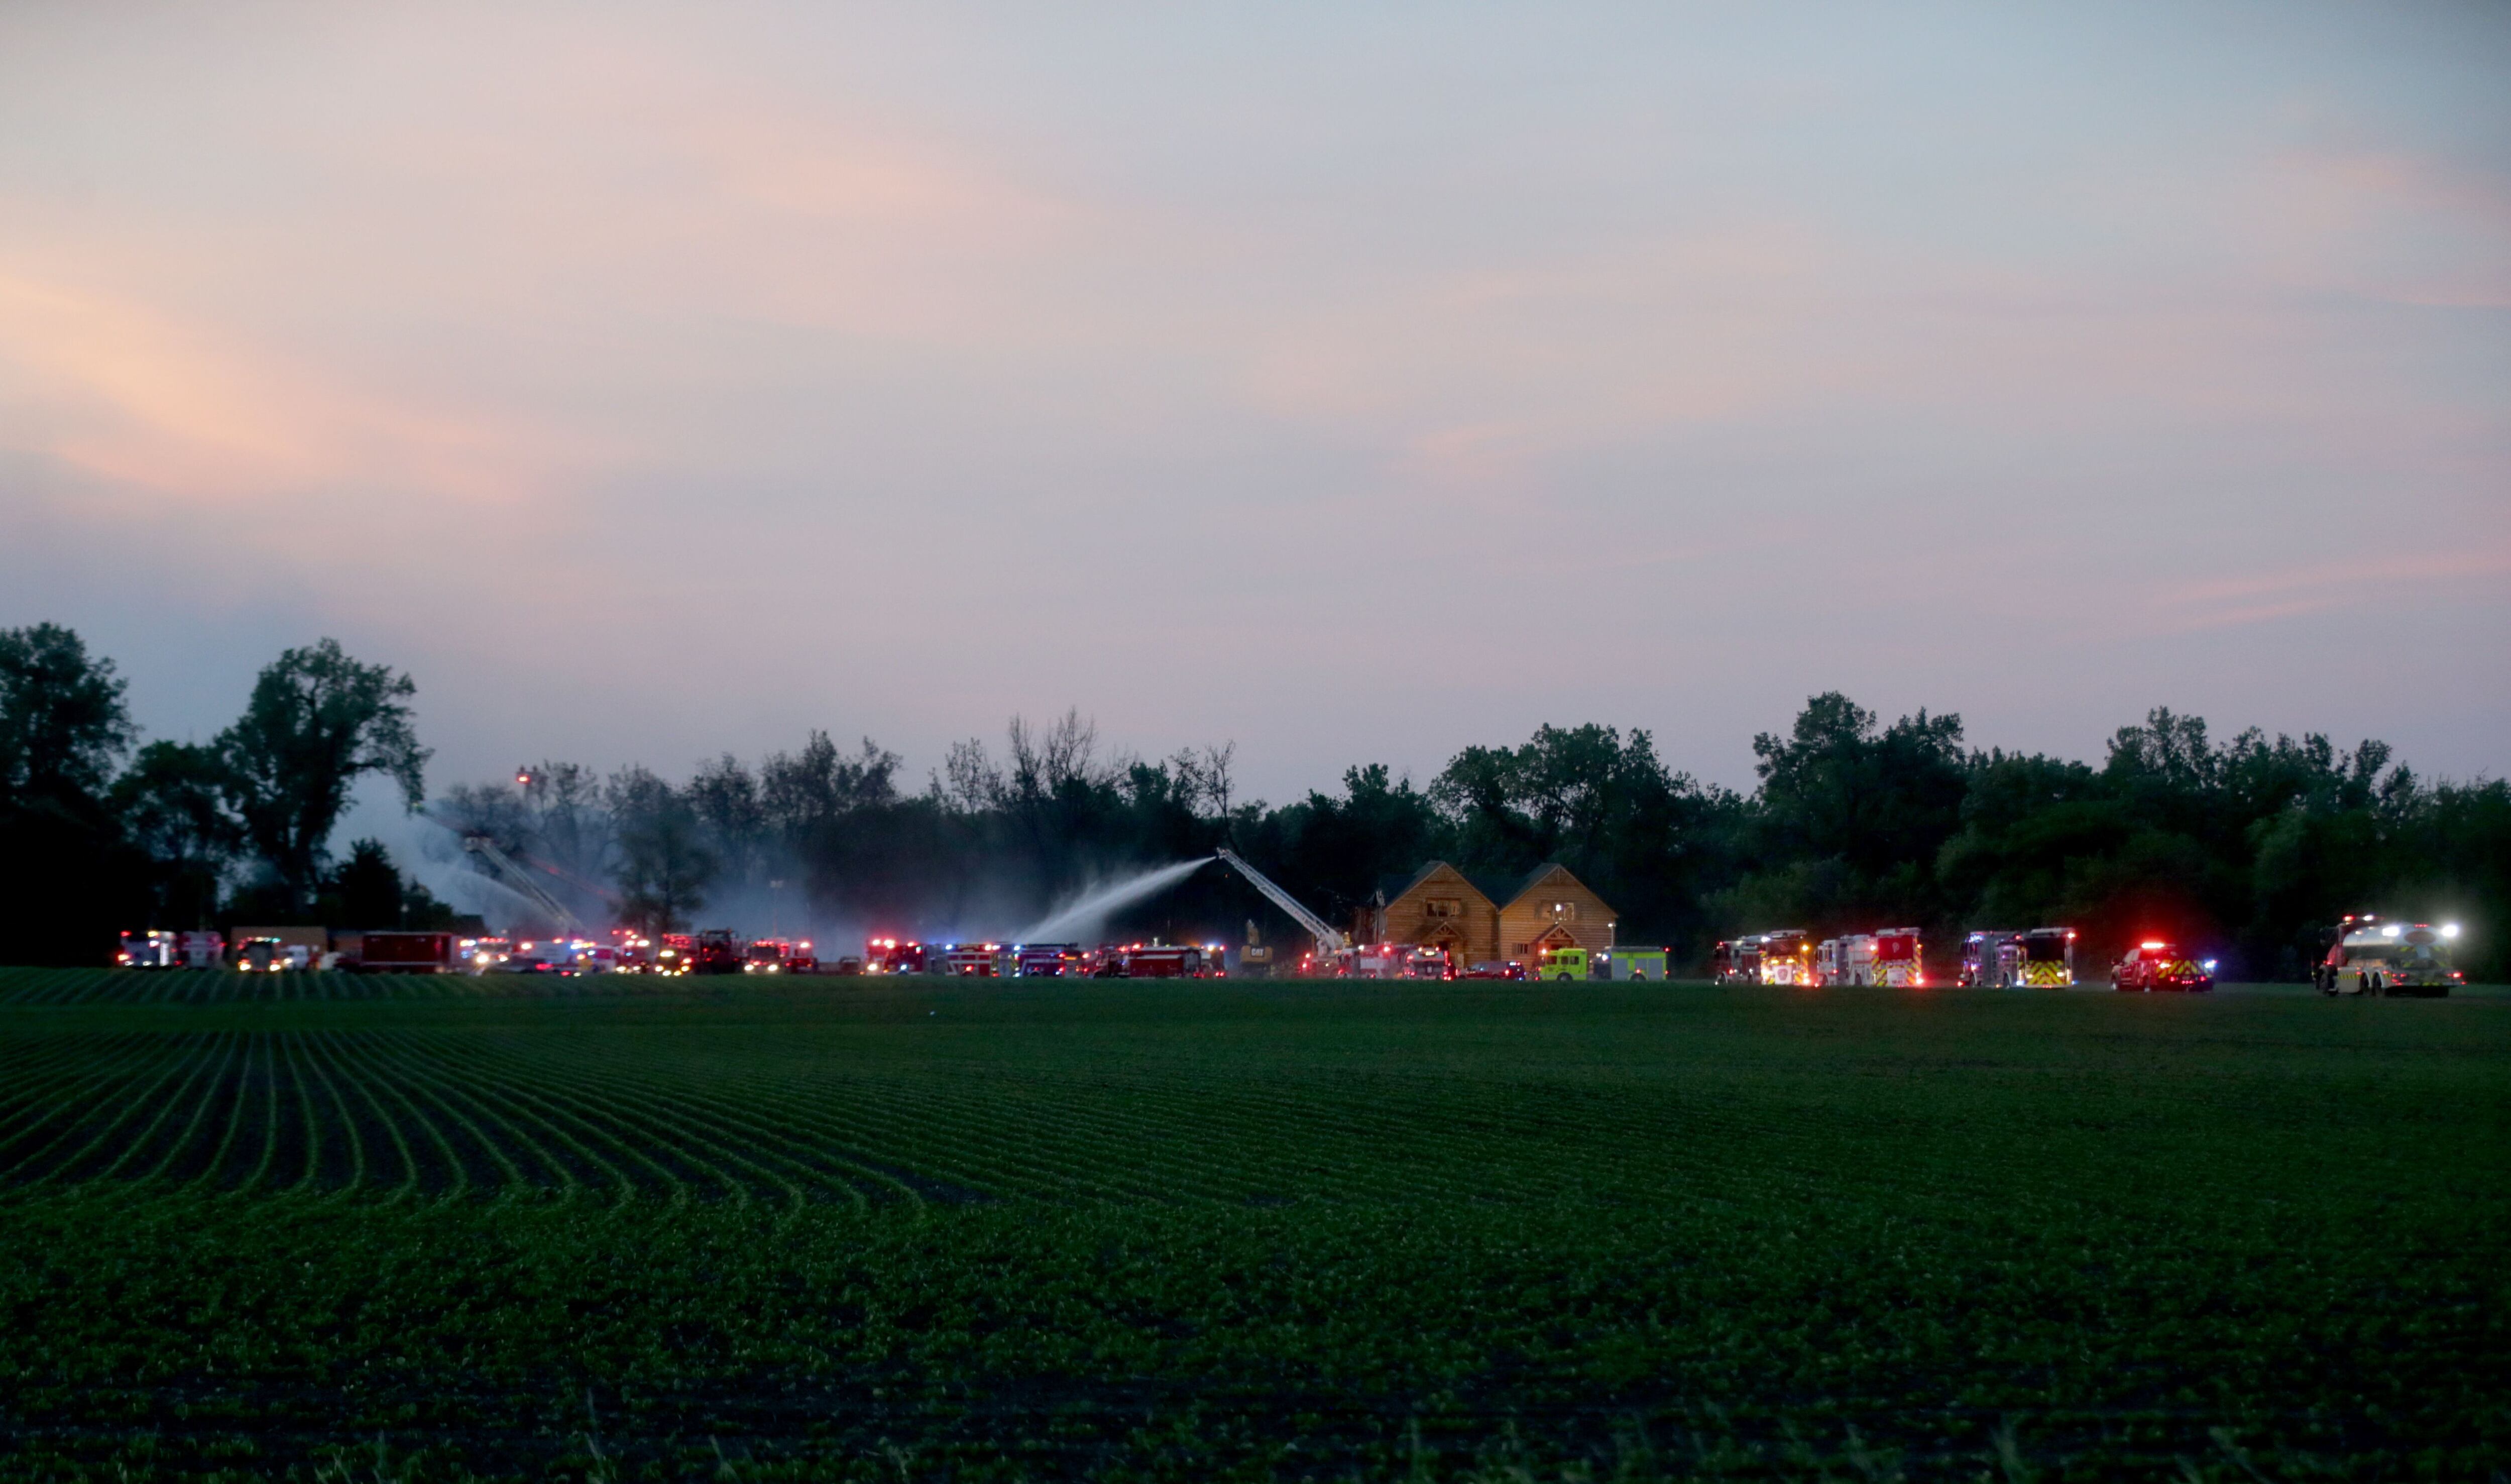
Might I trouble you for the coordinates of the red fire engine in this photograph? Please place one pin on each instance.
(1897, 961)
(717, 951)
(893, 955)
(1172, 960)
(152, 950)
(1048, 961)
(406, 953)
(972, 960)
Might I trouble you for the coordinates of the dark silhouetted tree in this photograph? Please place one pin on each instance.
(172, 806)
(664, 864)
(63, 724)
(316, 722)
(67, 878)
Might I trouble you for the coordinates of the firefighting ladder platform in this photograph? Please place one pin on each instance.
(1329, 941)
(502, 866)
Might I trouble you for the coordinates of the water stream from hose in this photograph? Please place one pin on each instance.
(1081, 920)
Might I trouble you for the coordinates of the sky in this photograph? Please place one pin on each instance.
(1354, 385)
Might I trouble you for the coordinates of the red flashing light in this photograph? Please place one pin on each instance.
(2153, 942)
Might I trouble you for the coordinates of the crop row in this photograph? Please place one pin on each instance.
(383, 1115)
(796, 1096)
(167, 986)
(422, 1114)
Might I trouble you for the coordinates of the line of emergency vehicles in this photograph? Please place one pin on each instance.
(1041, 960)
(2363, 954)
(1889, 958)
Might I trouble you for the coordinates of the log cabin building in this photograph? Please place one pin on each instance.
(1487, 921)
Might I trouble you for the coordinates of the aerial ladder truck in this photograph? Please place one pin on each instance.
(502, 867)
(1332, 947)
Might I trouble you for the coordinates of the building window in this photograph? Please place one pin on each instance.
(1564, 912)
(1525, 948)
(1441, 907)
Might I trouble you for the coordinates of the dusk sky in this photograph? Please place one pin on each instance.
(1356, 385)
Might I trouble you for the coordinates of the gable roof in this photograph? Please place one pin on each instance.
(1537, 878)
(1392, 887)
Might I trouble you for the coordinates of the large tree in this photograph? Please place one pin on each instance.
(67, 880)
(317, 721)
(64, 725)
(664, 864)
(172, 801)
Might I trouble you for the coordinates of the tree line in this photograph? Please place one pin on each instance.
(2247, 846)
(99, 833)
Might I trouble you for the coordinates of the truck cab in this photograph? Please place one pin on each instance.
(1563, 963)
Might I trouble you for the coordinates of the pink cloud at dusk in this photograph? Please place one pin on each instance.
(895, 370)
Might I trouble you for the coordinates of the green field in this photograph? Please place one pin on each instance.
(907, 1230)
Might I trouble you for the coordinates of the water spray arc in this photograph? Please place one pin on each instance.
(1071, 922)
(1080, 919)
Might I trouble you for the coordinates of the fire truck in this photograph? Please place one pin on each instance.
(2049, 958)
(1387, 960)
(715, 952)
(973, 960)
(894, 955)
(1562, 965)
(1369, 960)
(1172, 960)
(1898, 964)
(635, 952)
(1738, 961)
(2039, 958)
(674, 953)
(1787, 957)
(1847, 960)
(1047, 961)
(153, 949)
(1991, 959)
(766, 956)
(1636, 965)
(269, 954)
(406, 953)
(2373, 956)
